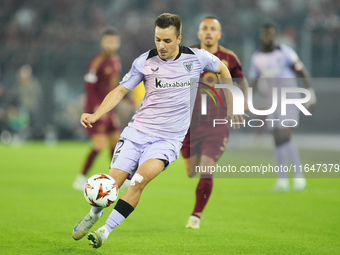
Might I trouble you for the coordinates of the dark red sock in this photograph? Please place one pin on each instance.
(203, 191)
(89, 161)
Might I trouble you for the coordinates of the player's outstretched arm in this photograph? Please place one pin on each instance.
(109, 102)
(243, 85)
(224, 74)
(302, 71)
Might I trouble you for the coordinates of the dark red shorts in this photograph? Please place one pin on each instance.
(107, 124)
(206, 140)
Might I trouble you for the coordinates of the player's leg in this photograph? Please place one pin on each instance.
(203, 192)
(204, 186)
(113, 140)
(145, 173)
(124, 162)
(128, 202)
(190, 151)
(281, 137)
(112, 126)
(299, 182)
(191, 154)
(85, 224)
(98, 142)
(286, 149)
(190, 163)
(212, 147)
(153, 157)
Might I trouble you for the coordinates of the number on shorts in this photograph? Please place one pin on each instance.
(120, 146)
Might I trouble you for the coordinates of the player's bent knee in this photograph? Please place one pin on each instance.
(138, 182)
(192, 172)
(189, 167)
(98, 147)
(137, 178)
(187, 170)
(119, 176)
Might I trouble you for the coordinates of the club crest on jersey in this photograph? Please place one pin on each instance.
(126, 77)
(188, 66)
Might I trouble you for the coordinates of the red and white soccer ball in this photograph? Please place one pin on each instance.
(101, 190)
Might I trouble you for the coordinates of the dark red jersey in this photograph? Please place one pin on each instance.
(230, 59)
(101, 77)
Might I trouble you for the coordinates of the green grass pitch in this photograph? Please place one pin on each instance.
(39, 209)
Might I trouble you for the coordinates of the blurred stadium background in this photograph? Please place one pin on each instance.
(46, 45)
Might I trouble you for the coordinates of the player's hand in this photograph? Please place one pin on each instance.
(311, 104)
(236, 119)
(311, 107)
(87, 119)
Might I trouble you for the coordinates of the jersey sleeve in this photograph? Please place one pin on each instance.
(291, 56)
(93, 98)
(236, 72)
(253, 72)
(209, 62)
(135, 75)
(91, 88)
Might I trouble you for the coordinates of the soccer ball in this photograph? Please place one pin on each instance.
(101, 190)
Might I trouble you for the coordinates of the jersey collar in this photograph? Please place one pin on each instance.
(178, 55)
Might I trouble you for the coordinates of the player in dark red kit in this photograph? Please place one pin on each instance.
(101, 77)
(203, 144)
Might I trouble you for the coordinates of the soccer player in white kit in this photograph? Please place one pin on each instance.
(152, 140)
(277, 66)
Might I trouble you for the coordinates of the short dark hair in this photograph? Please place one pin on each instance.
(110, 31)
(268, 26)
(209, 17)
(166, 20)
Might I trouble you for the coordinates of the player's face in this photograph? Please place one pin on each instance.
(167, 42)
(268, 36)
(209, 32)
(110, 44)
